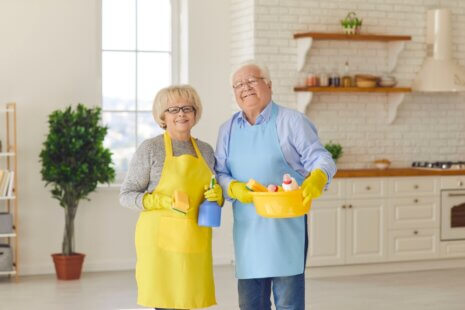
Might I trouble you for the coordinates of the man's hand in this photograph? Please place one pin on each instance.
(214, 194)
(237, 190)
(313, 185)
(156, 201)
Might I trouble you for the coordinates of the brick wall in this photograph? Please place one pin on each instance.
(427, 127)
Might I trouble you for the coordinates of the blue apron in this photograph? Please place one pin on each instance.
(264, 247)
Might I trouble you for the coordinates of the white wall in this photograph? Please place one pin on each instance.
(49, 59)
(428, 127)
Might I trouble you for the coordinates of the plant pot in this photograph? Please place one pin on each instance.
(68, 267)
(349, 30)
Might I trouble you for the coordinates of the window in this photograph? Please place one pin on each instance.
(138, 59)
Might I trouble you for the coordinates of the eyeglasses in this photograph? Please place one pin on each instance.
(185, 109)
(250, 82)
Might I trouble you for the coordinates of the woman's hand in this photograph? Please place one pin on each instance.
(155, 201)
(214, 194)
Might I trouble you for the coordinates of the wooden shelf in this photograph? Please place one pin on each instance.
(9, 235)
(8, 161)
(354, 89)
(351, 37)
(8, 273)
(7, 197)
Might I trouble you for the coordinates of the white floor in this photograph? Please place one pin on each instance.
(426, 290)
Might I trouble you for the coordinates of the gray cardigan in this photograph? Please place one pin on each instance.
(146, 166)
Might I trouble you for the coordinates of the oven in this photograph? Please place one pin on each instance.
(453, 214)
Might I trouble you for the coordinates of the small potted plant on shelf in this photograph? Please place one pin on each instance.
(351, 24)
(335, 149)
(74, 161)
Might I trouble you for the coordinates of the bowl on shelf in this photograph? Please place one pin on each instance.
(366, 80)
(387, 81)
(382, 163)
(365, 83)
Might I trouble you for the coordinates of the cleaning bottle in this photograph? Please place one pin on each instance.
(289, 183)
(209, 211)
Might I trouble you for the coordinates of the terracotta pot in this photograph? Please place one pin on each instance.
(68, 267)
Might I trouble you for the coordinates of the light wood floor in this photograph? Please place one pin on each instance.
(426, 290)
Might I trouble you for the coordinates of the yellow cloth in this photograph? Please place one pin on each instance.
(214, 194)
(174, 256)
(313, 185)
(238, 190)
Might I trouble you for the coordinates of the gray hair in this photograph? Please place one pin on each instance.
(169, 94)
(262, 67)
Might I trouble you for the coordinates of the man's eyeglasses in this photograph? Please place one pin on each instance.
(185, 109)
(250, 82)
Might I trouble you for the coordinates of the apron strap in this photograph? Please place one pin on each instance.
(196, 148)
(168, 147)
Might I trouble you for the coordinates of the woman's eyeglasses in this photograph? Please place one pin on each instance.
(185, 109)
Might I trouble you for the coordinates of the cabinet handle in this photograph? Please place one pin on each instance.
(460, 183)
(415, 186)
(343, 206)
(368, 188)
(415, 232)
(350, 206)
(415, 200)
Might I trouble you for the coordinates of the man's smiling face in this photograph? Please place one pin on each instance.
(251, 90)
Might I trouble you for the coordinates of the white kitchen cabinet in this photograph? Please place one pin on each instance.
(413, 244)
(348, 231)
(453, 182)
(366, 240)
(451, 249)
(326, 233)
(414, 205)
(414, 186)
(414, 212)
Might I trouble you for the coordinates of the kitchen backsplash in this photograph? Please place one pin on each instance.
(428, 126)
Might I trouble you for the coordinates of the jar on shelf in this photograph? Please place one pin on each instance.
(347, 80)
(335, 79)
(324, 79)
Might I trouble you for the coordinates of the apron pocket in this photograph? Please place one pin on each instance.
(182, 235)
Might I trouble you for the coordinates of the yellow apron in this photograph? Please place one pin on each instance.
(174, 255)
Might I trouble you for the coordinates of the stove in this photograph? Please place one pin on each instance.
(439, 165)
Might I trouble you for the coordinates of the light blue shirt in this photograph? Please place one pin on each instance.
(298, 139)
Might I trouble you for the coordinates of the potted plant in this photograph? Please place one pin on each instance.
(74, 161)
(351, 24)
(335, 149)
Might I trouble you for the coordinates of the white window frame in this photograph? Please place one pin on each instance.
(175, 62)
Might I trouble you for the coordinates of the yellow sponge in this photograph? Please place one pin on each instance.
(254, 186)
(180, 201)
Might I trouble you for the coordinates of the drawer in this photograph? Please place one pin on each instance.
(453, 248)
(414, 212)
(335, 190)
(453, 182)
(413, 244)
(366, 188)
(414, 186)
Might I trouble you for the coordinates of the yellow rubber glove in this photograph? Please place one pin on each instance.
(156, 201)
(214, 194)
(237, 190)
(313, 185)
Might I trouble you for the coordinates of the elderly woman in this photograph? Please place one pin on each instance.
(174, 256)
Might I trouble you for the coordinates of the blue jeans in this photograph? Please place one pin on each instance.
(288, 292)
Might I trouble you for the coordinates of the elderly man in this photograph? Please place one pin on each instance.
(264, 141)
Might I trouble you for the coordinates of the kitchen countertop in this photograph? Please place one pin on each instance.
(395, 172)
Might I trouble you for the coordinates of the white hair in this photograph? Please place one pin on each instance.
(262, 67)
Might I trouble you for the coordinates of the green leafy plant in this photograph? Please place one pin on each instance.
(335, 149)
(74, 161)
(351, 22)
